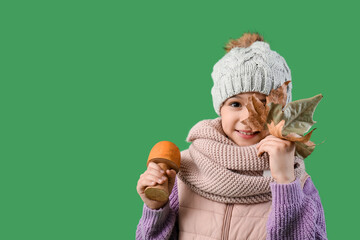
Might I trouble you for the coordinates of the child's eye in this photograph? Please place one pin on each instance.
(235, 104)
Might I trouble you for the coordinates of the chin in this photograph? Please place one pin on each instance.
(246, 142)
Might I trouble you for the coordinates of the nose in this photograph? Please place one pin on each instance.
(244, 114)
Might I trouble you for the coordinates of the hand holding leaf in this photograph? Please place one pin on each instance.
(293, 122)
(288, 122)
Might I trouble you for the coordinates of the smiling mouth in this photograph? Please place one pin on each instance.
(248, 133)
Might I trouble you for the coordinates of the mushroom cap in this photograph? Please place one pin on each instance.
(165, 152)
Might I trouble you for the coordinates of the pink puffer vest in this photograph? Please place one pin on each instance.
(204, 219)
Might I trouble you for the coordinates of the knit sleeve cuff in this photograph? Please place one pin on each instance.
(155, 216)
(286, 194)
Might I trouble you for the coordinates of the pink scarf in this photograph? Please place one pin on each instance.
(218, 169)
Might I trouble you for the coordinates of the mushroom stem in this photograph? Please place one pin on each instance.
(159, 192)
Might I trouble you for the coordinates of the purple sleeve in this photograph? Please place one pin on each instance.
(160, 224)
(296, 213)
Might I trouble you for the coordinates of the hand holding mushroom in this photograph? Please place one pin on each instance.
(156, 183)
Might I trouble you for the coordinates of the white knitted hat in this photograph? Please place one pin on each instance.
(256, 68)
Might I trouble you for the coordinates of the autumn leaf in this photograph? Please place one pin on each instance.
(257, 114)
(304, 149)
(299, 114)
(275, 113)
(278, 95)
(277, 131)
(293, 122)
(287, 121)
(297, 138)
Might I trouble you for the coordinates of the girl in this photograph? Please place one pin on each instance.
(225, 188)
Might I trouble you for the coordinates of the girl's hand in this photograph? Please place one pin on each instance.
(152, 176)
(282, 157)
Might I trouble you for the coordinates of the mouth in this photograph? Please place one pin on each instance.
(247, 134)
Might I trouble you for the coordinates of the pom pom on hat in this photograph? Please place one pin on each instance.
(244, 41)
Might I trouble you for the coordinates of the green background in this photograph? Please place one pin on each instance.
(88, 87)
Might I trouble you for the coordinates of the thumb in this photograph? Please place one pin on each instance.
(171, 176)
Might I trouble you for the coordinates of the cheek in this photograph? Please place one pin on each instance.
(228, 124)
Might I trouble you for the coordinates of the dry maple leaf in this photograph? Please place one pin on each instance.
(289, 124)
(293, 122)
(257, 114)
(278, 95)
(276, 130)
(304, 149)
(299, 114)
(297, 138)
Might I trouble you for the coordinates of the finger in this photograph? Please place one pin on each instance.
(266, 139)
(171, 172)
(266, 147)
(273, 140)
(277, 139)
(153, 165)
(279, 143)
(154, 172)
(286, 143)
(156, 178)
(261, 143)
(143, 184)
(171, 175)
(271, 147)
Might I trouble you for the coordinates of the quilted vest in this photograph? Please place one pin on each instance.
(204, 219)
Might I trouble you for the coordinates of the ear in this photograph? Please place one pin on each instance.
(221, 108)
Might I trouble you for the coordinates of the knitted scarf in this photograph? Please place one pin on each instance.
(218, 169)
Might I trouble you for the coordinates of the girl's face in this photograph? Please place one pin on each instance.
(232, 112)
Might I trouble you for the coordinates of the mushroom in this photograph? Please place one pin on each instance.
(167, 155)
